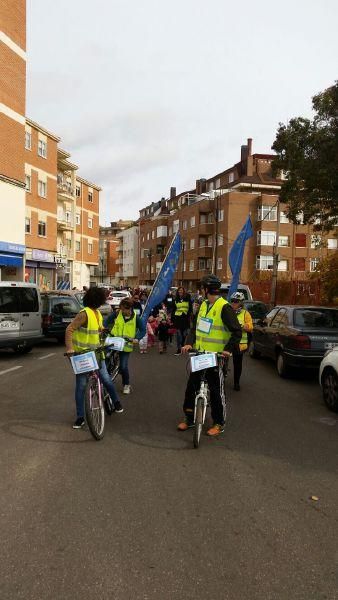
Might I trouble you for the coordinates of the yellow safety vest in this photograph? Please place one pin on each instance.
(182, 308)
(88, 338)
(218, 336)
(241, 319)
(123, 328)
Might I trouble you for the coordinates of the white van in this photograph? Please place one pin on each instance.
(240, 288)
(20, 316)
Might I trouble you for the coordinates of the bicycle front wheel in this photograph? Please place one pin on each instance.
(114, 365)
(107, 402)
(199, 412)
(94, 409)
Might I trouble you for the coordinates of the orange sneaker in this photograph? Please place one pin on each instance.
(215, 430)
(185, 425)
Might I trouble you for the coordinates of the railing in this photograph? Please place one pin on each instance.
(64, 186)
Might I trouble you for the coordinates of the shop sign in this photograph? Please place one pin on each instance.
(9, 247)
(40, 255)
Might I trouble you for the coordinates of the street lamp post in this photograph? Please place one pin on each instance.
(148, 252)
(102, 261)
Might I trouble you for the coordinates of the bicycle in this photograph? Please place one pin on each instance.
(95, 397)
(202, 398)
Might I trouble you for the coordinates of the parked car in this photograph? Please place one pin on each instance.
(20, 316)
(240, 288)
(258, 310)
(328, 378)
(115, 297)
(58, 310)
(295, 336)
(78, 294)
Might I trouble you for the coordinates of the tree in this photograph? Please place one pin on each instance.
(307, 154)
(328, 269)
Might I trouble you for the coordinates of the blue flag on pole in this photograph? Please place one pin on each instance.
(164, 278)
(236, 255)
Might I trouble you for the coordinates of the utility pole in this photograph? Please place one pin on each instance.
(182, 268)
(275, 259)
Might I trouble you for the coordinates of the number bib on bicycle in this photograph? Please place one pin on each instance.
(211, 334)
(124, 328)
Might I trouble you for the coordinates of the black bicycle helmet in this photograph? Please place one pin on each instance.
(211, 283)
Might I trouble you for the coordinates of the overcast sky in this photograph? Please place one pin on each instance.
(148, 94)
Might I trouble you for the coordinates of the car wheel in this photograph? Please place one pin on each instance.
(23, 349)
(253, 353)
(330, 390)
(282, 368)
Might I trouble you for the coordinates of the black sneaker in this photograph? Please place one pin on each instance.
(237, 387)
(118, 407)
(79, 423)
(177, 353)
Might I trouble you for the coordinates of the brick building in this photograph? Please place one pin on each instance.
(12, 135)
(107, 271)
(210, 217)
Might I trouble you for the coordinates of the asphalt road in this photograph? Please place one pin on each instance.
(141, 514)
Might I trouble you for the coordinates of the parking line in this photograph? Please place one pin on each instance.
(47, 356)
(9, 370)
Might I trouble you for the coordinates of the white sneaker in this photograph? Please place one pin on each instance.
(126, 389)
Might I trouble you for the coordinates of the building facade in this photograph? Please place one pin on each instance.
(12, 135)
(128, 256)
(210, 218)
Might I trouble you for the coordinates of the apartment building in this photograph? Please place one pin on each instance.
(128, 253)
(107, 271)
(41, 206)
(211, 216)
(12, 134)
(87, 232)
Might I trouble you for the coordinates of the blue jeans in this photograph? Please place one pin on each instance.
(80, 386)
(124, 358)
(180, 338)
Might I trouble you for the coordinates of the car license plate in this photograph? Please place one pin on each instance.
(9, 325)
(330, 345)
(66, 320)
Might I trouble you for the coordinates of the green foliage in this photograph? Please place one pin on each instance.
(328, 269)
(307, 152)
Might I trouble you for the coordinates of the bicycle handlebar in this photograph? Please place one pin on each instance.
(199, 352)
(98, 349)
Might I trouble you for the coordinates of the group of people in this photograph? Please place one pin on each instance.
(207, 322)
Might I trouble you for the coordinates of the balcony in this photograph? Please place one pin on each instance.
(64, 187)
(162, 241)
(64, 224)
(119, 248)
(119, 261)
(206, 228)
(205, 251)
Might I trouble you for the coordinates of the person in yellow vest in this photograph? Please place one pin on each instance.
(245, 321)
(181, 312)
(215, 329)
(83, 333)
(127, 324)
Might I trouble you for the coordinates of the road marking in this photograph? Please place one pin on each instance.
(9, 370)
(47, 356)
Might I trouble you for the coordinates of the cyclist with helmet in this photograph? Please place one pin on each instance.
(215, 329)
(246, 324)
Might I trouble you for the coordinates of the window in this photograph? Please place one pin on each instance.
(185, 224)
(42, 189)
(148, 236)
(27, 225)
(90, 247)
(280, 319)
(283, 265)
(210, 218)
(191, 265)
(42, 149)
(209, 264)
(221, 214)
(28, 140)
(263, 263)
(211, 186)
(68, 216)
(219, 263)
(192, 221)
(9, 300)
(314, 262)
(218, 183)
(283, 240)
(283, 218)
(231, 177)
(184, 265)
(202, 242)
(192, 244)
(332, 243)
(266, 238)
(220, 239)
(267, 213)
(316, 241)
(162, 231)
(78, 219)
(153, 234)
(29, 300)
(203, 218)
(299, 263)
(42, 228)
(210, 241)
(78, 191)
(300, 240)
(77, 246)
(170, 230)
(28, 183)
(202, 264)
(176, 226)
(90, 196)
(90, 223)
(69, 243)
(316, 318)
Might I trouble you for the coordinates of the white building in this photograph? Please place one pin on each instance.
(128, 252)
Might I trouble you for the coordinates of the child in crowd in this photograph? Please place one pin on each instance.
(143, 343)
(162, 330)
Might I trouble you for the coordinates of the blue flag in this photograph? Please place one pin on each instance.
(164, 278)
(236, 255)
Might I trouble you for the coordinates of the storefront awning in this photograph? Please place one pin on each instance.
(8, 260)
